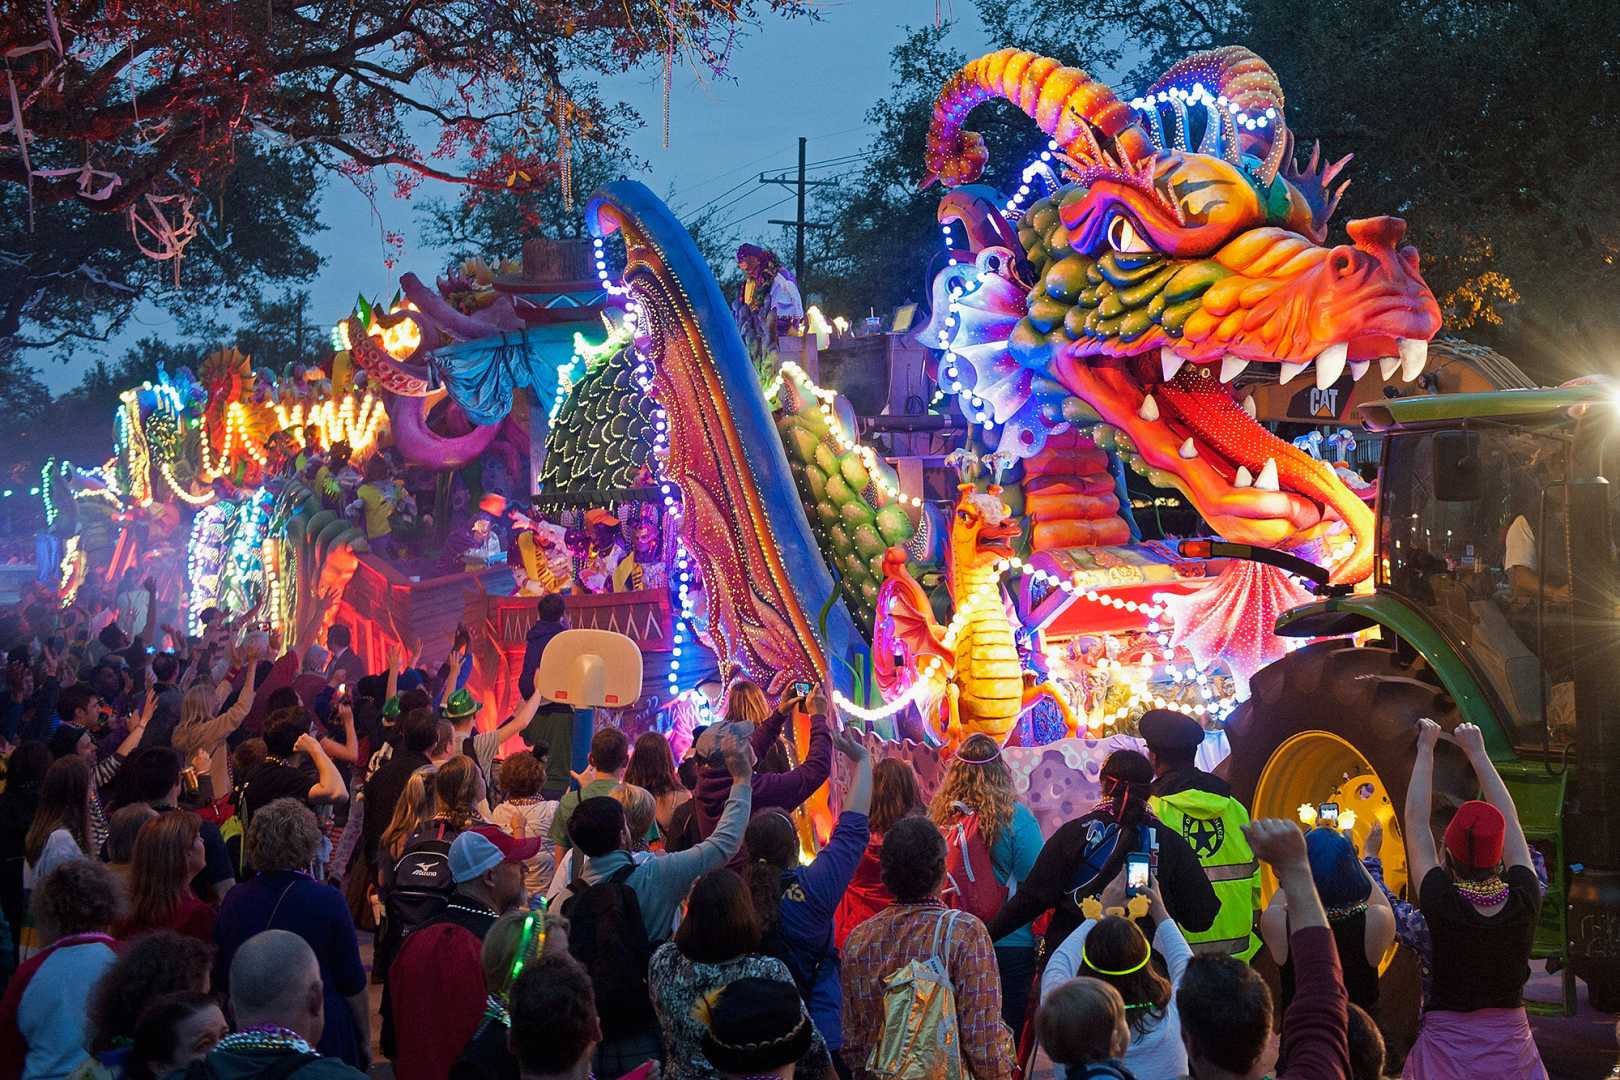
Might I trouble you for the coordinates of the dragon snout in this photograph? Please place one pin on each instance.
(1377, 234)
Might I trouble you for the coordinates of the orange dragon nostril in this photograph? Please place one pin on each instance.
(1341, 262)
(1377, 235)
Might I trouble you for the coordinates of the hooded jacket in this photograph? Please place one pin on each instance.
(1212, 826)
(534, 645)
(783, 790)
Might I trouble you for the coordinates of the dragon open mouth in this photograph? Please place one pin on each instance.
(1183, 246)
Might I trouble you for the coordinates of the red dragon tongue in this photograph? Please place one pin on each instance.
(1206, 408)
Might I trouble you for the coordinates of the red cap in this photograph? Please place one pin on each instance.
(512, 849)
(1474, 837)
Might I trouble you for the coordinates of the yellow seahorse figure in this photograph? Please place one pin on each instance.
(977, 655)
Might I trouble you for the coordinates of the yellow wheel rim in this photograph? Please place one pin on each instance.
(1315, 767)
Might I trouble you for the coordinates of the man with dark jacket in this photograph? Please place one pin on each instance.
(419, 730)
(548, 626)
(1173, 740)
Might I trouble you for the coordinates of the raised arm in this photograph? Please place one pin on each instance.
(1380, 920)
(1420, 852)
(1065, 961)
(1314, 1040)
(349, 749)
(329, 786)
(520, 719)
(137, 725)
(859, 799)
(1515, 849)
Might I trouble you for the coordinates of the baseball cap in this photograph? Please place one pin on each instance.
(484, 847)
(1474, 837)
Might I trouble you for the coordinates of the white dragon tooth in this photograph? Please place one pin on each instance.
(1243, 478)
(1169, 363)
(1249, 407)
(1414, 357)
(1232, 367)
(1388, 366)
(1330, 364)
(1267, 480)
(1188, 450)
(1287, 371)
(1149, 410)
(1358, 368)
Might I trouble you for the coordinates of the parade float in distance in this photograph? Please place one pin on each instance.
(597, 420)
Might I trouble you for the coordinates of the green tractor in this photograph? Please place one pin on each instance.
(1497, 602)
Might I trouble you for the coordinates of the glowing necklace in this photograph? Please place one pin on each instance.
(266, 1037)
(1487, 893)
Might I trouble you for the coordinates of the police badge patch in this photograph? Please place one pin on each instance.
(1204, 836)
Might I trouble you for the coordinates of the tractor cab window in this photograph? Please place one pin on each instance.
(1472, 532)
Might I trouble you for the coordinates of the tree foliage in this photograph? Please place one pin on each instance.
(128, 102)
(1491, 126)
(495, 223)
(76, 275)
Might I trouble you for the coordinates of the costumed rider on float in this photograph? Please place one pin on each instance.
(1200, 808)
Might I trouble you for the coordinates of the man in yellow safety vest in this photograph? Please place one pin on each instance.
(1199, 806)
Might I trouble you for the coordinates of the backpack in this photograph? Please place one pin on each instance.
(606, 934)
(1102, 840)
(970, 877)
(422, 883)
(919, 1039)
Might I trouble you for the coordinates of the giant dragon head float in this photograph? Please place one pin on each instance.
(1186, 247)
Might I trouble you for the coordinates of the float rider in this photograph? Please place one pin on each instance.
(1199, 806)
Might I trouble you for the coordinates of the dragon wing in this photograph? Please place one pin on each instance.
(906, 630)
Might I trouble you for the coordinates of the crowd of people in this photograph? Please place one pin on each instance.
(200, 840)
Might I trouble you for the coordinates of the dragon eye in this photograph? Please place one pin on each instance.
(1123, 237)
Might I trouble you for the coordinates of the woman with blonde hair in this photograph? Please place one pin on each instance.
(413, 810)
(168, 854)
(458, 794)
(978, 788)
(204, 727)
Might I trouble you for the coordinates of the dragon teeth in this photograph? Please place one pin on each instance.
(1149, 410)
(1267, 480)
(1388, 366)
(1287, 371)
(1414, 357)
(1244, 478)
(1330, 364)
(1232, 367)
(1188, 450)
(1249, 407)
(1358, 368)
(1169, 363)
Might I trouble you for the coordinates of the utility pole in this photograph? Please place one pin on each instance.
(798, 223)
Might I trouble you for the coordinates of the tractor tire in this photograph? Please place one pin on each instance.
(1368, 698)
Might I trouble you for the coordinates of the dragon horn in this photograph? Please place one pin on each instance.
(1247, 82)
(1081, 114)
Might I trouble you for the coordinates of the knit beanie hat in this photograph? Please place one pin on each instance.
(755, 1026)
(1474, 837)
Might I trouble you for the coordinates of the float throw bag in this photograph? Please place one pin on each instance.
(1102, 840)
(970, 880)
(919, 1039)
(605, 933)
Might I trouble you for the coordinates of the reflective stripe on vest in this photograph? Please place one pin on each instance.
(1228, 863)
